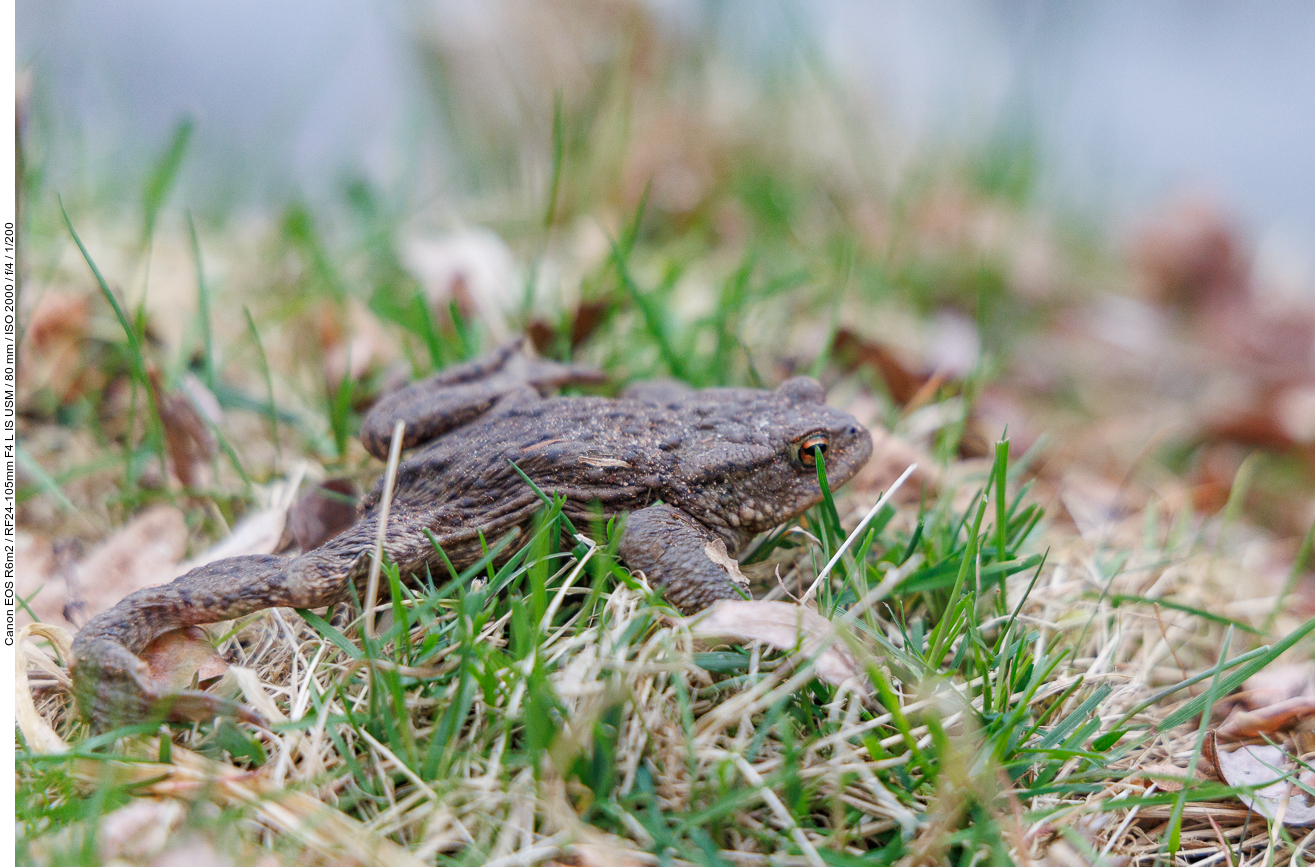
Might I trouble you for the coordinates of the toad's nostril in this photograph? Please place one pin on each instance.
(854, 430)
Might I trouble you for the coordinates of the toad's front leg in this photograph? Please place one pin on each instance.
(678, 553)
(112, 683)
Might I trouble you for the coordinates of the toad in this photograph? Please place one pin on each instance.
(697, 473)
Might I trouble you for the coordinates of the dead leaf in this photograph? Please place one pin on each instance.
(180, 656)
(189, 441)
(782, 625)
(588, 316)
(139, 830)
(1277, 683)
(144, 552)
(1191, 257)
(1281, 716)
(323, 512)
(53, 343)
(1278, 698)
(1262, 767)
(258, 533)
(902, 379)
(717, 553)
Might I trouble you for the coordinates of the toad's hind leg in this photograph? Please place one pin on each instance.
(459, 395)
(112, 683)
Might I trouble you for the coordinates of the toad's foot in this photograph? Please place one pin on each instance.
(678, 553)
(112, 684)
(115, 687)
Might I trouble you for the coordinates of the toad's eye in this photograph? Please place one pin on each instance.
(810, 447)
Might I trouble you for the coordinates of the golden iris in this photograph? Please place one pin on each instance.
(810, 447)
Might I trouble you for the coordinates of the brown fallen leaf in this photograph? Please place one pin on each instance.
(1277, 683)
(53, 345)
(1266, 768)
(323, 512)
(589, 315)
(782, 625)
(147, 551)
(1281, 716)
(1191, 257)
(180, 656)
(188, 439)
(902, 380)
(143, 553)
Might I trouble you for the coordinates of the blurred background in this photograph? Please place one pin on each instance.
(1123, 103)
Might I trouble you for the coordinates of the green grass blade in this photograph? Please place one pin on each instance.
(203, 309)
(140, 375)
(164, 175)
(272, 415)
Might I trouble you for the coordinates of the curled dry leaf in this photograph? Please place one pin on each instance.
(180, 656)
(782, 625)
(1262, 767)
(188, 439)
(323, 512)
(902, 379)
(1281, 716)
